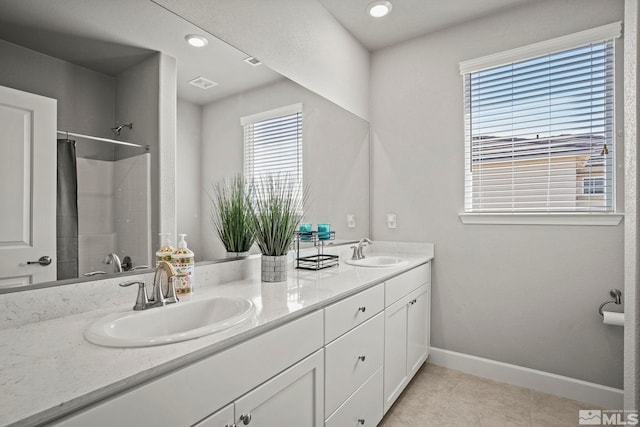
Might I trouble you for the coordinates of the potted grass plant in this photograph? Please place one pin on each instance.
(231, 215)
(275, 215)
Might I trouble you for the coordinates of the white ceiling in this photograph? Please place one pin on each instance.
(409, 18)
(110, 35)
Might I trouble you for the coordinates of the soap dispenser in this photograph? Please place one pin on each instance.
(183, 262)
(166, 250)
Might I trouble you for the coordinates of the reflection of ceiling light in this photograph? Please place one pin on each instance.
(202, 83)
(378, 9)
(252, 61)
(196, 40)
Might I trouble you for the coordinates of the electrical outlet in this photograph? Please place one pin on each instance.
(391, 221)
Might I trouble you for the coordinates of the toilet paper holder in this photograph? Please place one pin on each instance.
(617, 297)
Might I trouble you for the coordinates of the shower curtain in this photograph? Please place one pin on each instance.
(67, 211)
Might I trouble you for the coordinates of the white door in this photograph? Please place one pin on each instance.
(293, 398)
(27, 187)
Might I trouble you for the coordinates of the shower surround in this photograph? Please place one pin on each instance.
(113, 209)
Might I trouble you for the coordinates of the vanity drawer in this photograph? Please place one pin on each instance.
(363, 408)
(351, 360)
(350, 312)
(399, 286)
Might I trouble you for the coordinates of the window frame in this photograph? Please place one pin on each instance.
(594, 35)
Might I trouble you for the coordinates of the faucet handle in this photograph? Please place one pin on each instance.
(354, 256)
(142, 300)
(171, 291)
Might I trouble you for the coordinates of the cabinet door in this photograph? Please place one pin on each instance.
(222, 418)
(395, 350)
(418, 329)
(293, 398)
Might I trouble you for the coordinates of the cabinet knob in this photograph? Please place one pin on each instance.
(361, 358)
(362, 309)
(361, 421)
(246, 419)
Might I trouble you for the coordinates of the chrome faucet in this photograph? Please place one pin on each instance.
(160, 295)
(115, 260)
(357, 250)
(163, 295)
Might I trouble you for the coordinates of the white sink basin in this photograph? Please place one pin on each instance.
(164, 325)
(378, 261)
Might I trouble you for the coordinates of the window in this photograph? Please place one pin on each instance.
(273, 145)
(593, 186)
(539, 127)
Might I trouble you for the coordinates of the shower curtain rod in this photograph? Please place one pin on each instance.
(95, 138)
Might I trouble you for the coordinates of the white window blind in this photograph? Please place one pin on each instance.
(273, 145)
(539, 133)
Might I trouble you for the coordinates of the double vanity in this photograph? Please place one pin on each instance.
(334, 347)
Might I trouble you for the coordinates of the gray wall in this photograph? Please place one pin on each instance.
(85, 98)
(335, 156)
(188, 175)
(137, 102)
(525, 295)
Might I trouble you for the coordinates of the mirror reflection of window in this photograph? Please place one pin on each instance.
(273, 145)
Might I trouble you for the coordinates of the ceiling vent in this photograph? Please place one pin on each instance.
(252, 61)
(202, 83)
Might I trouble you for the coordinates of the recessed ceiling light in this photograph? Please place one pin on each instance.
(378, 9)
(196, 40)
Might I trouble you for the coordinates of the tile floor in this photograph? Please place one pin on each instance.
(441, 397)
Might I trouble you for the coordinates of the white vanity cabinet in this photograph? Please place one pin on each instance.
(354, 350)
(407, 331)
(281, 368)
(291, 398)
(342, 365)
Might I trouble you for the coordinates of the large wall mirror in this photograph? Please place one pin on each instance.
(121, 71)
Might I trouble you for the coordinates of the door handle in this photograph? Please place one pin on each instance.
(43, 261)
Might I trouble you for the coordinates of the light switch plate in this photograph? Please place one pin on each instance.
(351, 220)
(391, 220)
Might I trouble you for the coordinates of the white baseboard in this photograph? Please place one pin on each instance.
(570, 388)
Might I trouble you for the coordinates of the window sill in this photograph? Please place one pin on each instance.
(541, 218)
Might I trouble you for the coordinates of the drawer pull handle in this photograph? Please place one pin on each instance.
(362, 309)
(361, 421)
(413, 301)
(246, 419)
(361, 358)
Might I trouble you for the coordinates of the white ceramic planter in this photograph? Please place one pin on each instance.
(274, 268)
(237, 254)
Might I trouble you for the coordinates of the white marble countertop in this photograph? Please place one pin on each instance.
(48, 369)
